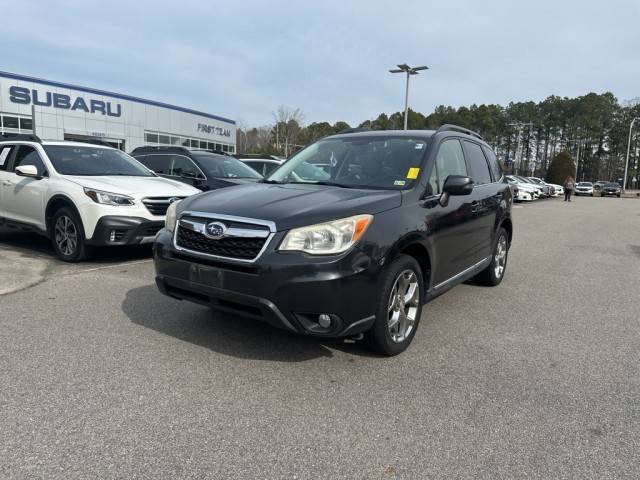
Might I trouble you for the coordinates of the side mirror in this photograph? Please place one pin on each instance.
(27, 171)
(455, 185)
(458, 185)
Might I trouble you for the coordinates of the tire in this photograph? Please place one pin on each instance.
(494, 273)
(67, 236)
(618, 195)
(403, 273)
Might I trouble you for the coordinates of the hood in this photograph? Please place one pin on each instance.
(135, 186)
(291, 206)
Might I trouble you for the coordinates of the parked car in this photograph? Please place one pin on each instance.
(263, 164)
(403, 217)
(81, 195)
(526, 191)
(548, 189)
(202, 169)
(544, 189)
(610, 189)
(584, 188)
(558, 190)
(522, 192)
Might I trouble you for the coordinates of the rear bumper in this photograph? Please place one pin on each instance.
(288, 291)
(119, 230)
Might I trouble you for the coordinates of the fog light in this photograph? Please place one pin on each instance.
(324, 320)
(112, 236)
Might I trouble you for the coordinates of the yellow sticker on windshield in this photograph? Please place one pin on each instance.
(413, 172)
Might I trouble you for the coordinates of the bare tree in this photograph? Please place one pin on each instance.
(287, 128)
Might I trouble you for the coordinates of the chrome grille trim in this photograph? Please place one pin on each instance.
(240, 233)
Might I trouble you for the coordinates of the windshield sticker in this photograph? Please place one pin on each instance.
(4, 155)
(419, 146)
(413, 172)
(399, 183)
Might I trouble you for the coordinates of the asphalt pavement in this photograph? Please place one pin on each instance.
(103, 377)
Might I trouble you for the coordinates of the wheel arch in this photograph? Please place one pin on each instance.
(416, 248)
(508, 226)
(54, 204)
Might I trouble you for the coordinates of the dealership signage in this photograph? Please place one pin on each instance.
(223, 132)
(26, 96)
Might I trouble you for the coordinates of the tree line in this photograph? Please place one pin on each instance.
(526, 136)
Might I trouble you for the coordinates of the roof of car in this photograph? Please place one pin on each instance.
(63, 143)
(395, 133)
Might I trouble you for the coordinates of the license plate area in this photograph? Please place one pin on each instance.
(205, 275)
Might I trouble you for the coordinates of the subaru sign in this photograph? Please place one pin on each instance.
(26, 96)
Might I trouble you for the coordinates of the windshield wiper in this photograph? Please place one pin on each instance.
(266, 180)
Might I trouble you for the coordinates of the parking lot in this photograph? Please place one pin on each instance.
(103, 377)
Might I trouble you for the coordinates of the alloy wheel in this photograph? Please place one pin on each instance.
(403, 305)
(66, 235)
(500, 258)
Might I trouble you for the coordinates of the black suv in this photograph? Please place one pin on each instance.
(403, 217)
(203, 169)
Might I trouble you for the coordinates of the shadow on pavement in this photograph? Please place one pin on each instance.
(227, 334)
(31, 243)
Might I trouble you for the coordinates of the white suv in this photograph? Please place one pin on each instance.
(81, 195)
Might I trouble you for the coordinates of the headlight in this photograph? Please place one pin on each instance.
(170, 219)
(327, 238)
(106, 198)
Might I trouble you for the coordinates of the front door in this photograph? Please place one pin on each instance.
(452, 226)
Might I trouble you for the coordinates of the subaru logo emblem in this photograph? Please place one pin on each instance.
(215, 230)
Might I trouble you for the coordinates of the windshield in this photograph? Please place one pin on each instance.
(224, 167)
(94, 161)
(377, 162)
(585, 184)
(525, 180)
(617, 185)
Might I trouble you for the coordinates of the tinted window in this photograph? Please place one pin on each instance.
(225, 167)
(10, 122)
(26, 124)
(184, 167)
(259, 167)
(151, 137)
(94, 161)
(161, 164)
(4, 157)
(494, 165)
(27, 155)
(449, 161)
(478, 167)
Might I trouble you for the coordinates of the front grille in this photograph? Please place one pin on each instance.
(158, 205)
(231, 247)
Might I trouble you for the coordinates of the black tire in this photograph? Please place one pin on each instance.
(492, 275)
(73, 249)
(618, 195)
(379, 338)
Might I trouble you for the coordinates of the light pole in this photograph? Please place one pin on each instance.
(409, 71)
(579, 142)
(626, 164)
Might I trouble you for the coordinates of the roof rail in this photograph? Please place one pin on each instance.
(455, 128)
(160, 148)
(20, 136)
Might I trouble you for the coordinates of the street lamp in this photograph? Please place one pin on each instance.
(404, 68)
(579, 141)
(626, 164)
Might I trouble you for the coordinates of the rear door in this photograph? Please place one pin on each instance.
(5, 153)
(486, 197)
(159, 164)
(24, 197)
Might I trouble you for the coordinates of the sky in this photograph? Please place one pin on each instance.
(242, 59)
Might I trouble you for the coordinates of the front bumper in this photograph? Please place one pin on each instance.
(120, 230)
(286, 290)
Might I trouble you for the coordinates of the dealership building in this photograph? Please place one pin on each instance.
(60, 111)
